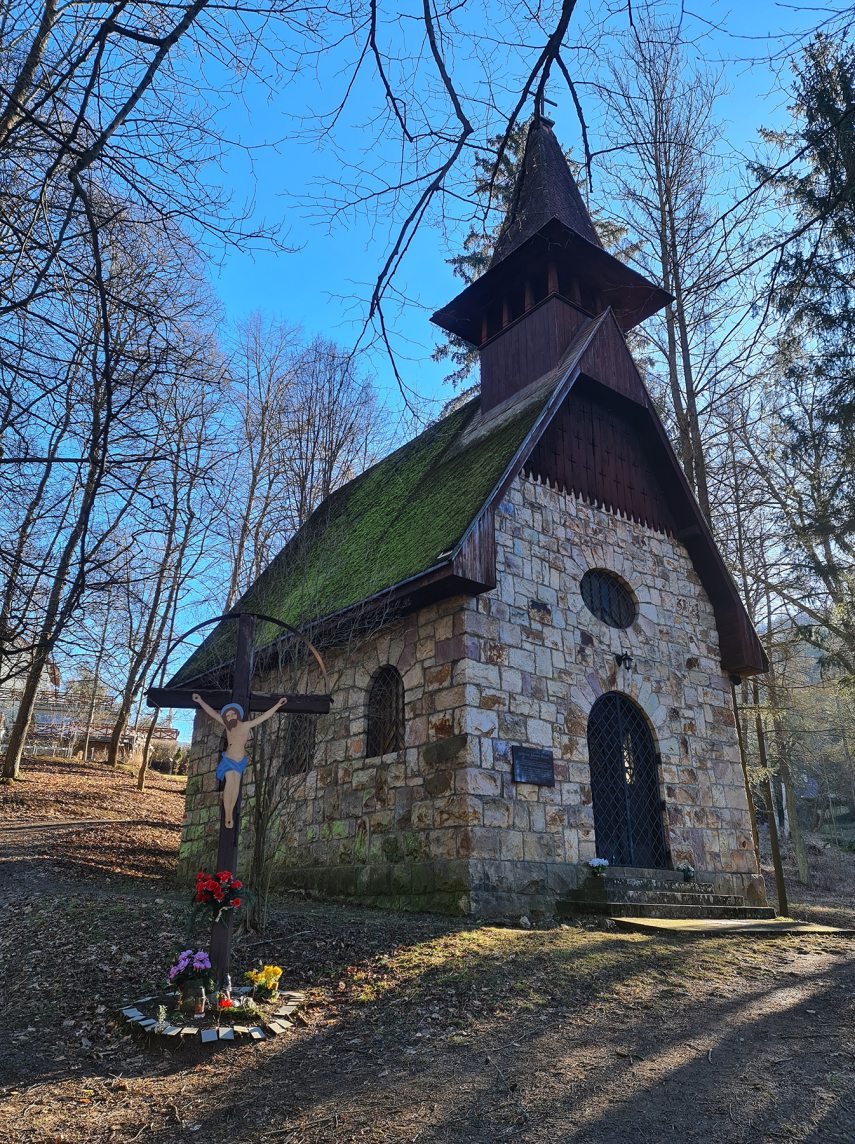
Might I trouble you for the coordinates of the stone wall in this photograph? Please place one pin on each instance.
(441, 825)
(542, 661)
(391, 830)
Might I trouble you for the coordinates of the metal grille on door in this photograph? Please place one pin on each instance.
(628, 823)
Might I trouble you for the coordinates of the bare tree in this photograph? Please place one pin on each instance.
(665, 162)
(82, 510)
(305, 421)
(172, 531)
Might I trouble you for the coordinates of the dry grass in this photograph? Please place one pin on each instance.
(831, 897)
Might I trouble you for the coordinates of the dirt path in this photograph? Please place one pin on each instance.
(425, 1030)
(22, 839)
(420, 1029)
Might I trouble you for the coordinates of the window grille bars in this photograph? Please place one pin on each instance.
(608, 598)
(385, 712)
(628, 816)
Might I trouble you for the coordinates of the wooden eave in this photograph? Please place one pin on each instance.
(629, 294)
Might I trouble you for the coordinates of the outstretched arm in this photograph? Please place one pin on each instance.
(215, 715)
(265, 715)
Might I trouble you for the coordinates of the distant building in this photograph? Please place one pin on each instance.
(65, 723)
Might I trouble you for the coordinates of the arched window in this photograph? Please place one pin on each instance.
(628, 815)
(298, 749)
(385, 712)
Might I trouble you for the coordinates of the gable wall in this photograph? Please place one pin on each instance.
(544, 659)
(599, 445)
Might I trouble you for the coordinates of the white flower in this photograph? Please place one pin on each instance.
(598, 863)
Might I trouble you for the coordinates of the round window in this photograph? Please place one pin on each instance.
(608, 598)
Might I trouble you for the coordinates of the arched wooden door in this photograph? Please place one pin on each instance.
(625, 784)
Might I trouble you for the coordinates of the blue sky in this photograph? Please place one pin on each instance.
(322, 285)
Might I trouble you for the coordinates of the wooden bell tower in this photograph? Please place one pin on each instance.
(549, 276)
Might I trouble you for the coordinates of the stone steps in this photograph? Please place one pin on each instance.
(654, 885)
(673, 897)
(662, 910)
(653, 880)
(622, 892)
(641, 874)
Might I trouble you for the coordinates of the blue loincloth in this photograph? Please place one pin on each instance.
(227, 764)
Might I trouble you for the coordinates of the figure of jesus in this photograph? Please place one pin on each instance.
(233, 760)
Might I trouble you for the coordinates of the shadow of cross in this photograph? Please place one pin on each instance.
(249, 700)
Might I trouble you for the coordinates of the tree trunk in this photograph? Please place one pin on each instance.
(119, 727)
(141, 773)
(96, 681)
(21, 723)
(744, 762)
(684, 444)
(789, 798)
(698, 467)
(783, 904)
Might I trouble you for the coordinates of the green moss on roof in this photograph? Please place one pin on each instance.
(398, 519)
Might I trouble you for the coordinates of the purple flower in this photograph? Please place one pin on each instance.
(188, 963)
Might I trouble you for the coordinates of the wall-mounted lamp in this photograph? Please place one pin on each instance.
(623, 659)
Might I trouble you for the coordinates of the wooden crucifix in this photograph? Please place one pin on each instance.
(246, 700)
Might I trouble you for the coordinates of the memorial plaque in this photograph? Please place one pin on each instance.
(532, 765)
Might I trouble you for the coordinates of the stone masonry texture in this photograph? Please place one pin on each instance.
(441, 825)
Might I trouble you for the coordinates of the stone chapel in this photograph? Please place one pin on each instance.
(550, 677)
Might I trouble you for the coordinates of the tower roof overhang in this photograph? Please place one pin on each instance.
(630, 296)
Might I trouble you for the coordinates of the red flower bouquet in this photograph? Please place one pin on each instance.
(216, 893)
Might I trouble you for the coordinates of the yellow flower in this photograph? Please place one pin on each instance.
(267, 977)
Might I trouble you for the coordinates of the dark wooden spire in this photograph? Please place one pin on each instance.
(544, 190)
(549, 276)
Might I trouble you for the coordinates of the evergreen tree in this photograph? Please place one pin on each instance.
(814, 281)
(812, 463)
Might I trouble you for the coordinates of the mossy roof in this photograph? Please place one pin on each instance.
(398, 519)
